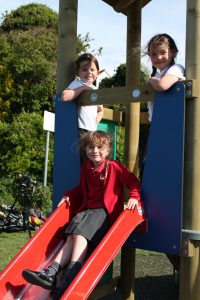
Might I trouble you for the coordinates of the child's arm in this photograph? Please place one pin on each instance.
(71, 94)
(99, 113)
(163, 83)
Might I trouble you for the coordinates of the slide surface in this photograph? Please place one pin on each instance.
(45, 244)
(103, 255)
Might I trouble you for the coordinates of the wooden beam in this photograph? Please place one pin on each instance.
(109, 96)
(132, 126)
(113, 115)
(122, 5)
(119, 116)
(144, 118)
(67, 33)
(192, 88)
(139, 93)
(189, 269)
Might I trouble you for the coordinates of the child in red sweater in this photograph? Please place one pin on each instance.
(100, 201)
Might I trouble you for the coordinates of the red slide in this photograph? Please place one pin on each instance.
(45, 244)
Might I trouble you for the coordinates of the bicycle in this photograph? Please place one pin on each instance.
(11, 219)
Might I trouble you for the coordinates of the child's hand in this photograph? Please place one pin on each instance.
(132, 203)
(98, 119)
(64, 199)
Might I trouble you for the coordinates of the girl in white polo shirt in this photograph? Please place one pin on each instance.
(162, 51)
(87, 71)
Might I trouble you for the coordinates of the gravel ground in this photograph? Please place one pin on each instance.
(154, 278)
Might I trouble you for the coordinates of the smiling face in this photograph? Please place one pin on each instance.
(161, 56)
(88, 72)
(97, 153)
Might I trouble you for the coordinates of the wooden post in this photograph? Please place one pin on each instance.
(67, 36)
(190, 271)
(132, 79)
(132, 118)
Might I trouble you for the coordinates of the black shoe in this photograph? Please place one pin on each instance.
(68, 276)
(42, 278)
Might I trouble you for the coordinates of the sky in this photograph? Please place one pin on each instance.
(107, 28)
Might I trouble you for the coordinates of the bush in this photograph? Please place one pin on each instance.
(42, 197)
(6, 192)
(120, 143)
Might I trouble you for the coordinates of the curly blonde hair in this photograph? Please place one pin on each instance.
(98, 138)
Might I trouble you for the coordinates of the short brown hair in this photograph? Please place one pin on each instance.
(88, 57)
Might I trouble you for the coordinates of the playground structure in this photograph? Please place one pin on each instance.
(133, 94)
(177, 166)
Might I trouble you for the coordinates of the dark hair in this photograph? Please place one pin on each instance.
(98, 137)
(87, 57)
(158, 39)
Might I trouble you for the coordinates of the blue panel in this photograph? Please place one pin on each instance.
(66, 171)
(162, 185)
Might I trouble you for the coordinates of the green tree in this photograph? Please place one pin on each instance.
(6, 83)
(28, 60)
(28, 55)
(30, 16)
(119, 78)
(23, 146)
(28, 39)
(83, 45)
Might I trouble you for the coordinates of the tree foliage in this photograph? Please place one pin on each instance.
(23, 146)
(28, 55)
(30, 16)
(83, 45)
(119, 78)
(28, 42)
(6, 83)
(28, 72)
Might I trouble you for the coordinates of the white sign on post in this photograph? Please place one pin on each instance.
(48, 125)
(49, 121)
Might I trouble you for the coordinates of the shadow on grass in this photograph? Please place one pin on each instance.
(151, 288)
(156, 288)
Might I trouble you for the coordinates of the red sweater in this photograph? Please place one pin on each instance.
(112, 196)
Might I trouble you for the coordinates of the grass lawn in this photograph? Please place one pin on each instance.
(10, 244)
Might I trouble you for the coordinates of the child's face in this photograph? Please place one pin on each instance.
(88, 72)
(97, 153)
(161, 56)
